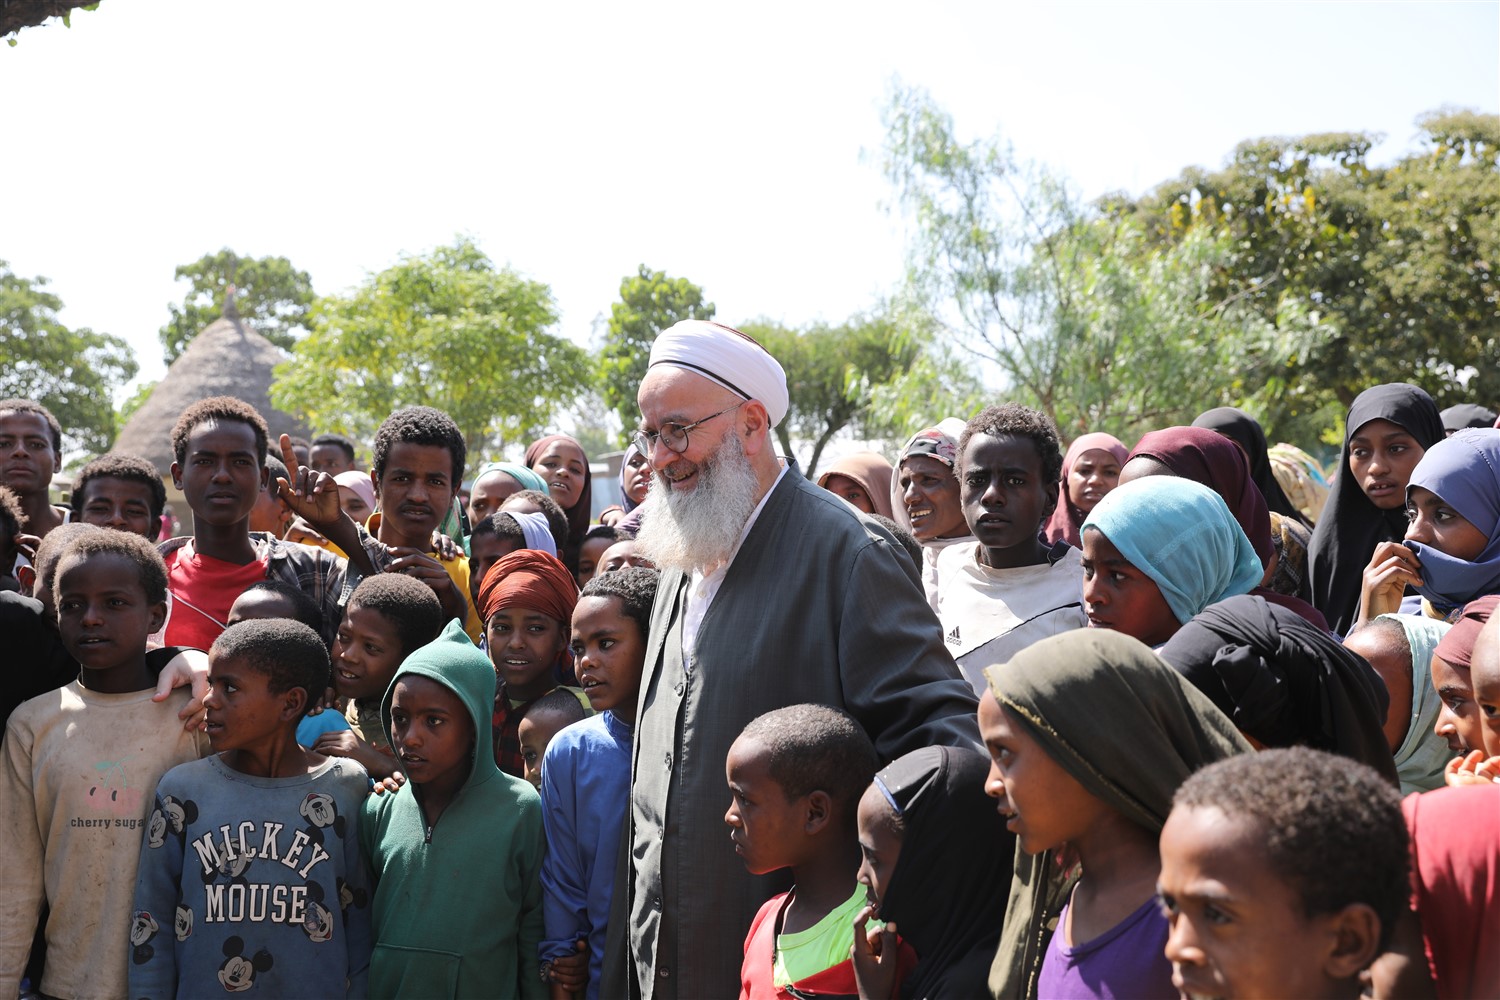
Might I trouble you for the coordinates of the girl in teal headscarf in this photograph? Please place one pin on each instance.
(1158, 551)
(1400, 648)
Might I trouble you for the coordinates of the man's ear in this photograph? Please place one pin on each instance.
(754, 426)
(819, 811)
(177, 476)
(375, 481)
(158, 616)
(1356, 940)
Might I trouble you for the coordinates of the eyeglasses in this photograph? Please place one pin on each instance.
(675, 436)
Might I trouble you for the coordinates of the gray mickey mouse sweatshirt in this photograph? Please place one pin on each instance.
(252, 885)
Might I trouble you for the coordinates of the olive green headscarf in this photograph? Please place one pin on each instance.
(1123, 723)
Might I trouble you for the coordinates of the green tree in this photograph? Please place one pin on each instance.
(649, 303)
(832, 373)
(271, 294)
(74, 373)
(446, 329)
(985, 252)
(1395, 263)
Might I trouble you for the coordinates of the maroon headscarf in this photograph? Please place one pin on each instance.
(1207, 457)
(1067, 520)
(580, 513)
(1455, 854)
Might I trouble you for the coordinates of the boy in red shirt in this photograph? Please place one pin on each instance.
(219, 445)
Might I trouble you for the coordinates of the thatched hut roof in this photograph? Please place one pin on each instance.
(226, 359)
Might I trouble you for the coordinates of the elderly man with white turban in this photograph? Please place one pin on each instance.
(773, 592)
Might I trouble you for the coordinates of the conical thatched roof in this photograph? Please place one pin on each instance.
(226, 359)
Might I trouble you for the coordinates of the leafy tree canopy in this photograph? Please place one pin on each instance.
(649, 303)
(832, 372)
(271, 294)
(446, 329)
(74, 373)
(1285, 283)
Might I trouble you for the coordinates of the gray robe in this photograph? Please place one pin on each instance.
(818, 606)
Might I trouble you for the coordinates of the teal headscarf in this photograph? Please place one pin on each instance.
(529, 480)
(1181, 534)
(1423, 754)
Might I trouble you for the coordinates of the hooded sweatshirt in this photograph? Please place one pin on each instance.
(458, 902)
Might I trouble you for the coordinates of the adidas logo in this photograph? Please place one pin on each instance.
(952, 638)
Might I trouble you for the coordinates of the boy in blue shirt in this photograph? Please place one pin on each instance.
(586, 775)
(250, 868)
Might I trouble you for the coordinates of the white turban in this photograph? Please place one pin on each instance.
(728, 357)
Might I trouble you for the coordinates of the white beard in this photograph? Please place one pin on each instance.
(698, 529)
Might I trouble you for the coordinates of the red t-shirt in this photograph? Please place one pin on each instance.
(203, 590)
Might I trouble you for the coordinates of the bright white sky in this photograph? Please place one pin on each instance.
(734, 146)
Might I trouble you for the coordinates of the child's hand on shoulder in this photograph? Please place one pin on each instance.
(875, 954)
(344, 743)
(446, 548)
(1473, 769)
(390, 784)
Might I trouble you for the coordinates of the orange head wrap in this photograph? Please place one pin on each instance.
(529, 579)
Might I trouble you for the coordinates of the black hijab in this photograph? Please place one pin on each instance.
(1284, 681)
(1351, 525)
(948, 893)
(1245, 431)
(1456, 418)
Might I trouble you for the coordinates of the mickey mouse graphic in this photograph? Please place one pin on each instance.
(171, 816)
(143, 928)
(318, 924)
(238, 973)
(351, 897)
(231, 868)
(182, 926)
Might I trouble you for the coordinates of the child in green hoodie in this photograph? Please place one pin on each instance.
(457, 852)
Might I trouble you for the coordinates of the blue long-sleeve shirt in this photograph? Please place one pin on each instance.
(252, 882)
(585, 793)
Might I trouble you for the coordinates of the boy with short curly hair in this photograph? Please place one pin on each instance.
(77, 767)
(250, 868)
(1283, 873)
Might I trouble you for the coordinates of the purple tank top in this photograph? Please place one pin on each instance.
(1128, 960)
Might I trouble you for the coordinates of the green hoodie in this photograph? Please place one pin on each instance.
(458, 905)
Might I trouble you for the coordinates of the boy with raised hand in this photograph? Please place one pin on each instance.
(219, 447)
(77, 768)
(1283, 874)
(457, 850)
(250, 868)
(795, 779)
(586, 776)
(419, 462)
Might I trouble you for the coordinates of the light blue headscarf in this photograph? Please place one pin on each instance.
(1423, 753)
(535, 530)
(529, 480)
(1179, 533)
(1464, 470)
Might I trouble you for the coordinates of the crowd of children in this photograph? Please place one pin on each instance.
(371, 733)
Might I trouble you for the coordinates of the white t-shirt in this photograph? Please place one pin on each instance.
(990, 615)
